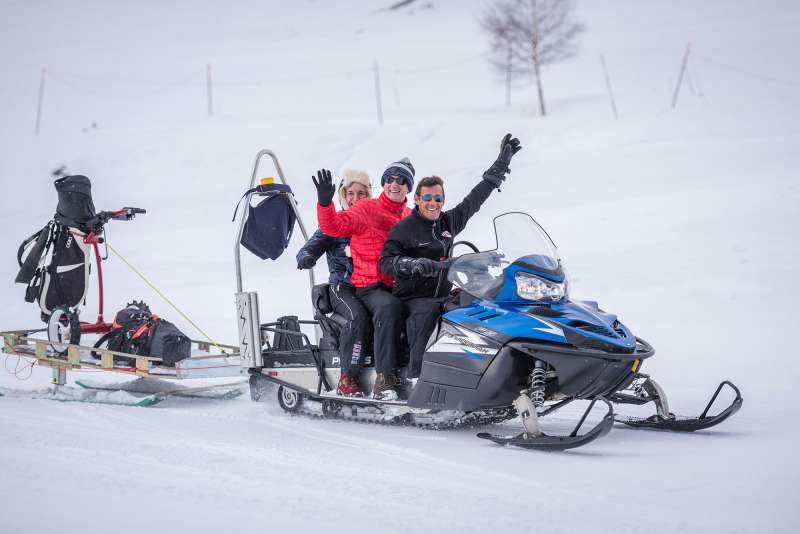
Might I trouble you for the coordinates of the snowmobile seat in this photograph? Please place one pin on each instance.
(330, 322)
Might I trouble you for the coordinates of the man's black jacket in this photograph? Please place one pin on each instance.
(417, 237)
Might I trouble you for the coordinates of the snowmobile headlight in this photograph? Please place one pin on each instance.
(532, 287)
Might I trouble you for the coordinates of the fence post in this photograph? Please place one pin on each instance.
(508, 77)
(378, 92)
(608, 87)
(680, 76)
(39, 106)
(209, 94)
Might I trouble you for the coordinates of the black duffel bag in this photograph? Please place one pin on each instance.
(140, 332)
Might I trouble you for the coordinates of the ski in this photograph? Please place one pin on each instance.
(162, 388)
(70, 394)
(649, 391)
(534, 438)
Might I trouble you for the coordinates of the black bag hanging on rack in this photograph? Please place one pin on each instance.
(269, 224)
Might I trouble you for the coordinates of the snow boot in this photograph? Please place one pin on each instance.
(348, 386)
(385, 387)
(405, 386)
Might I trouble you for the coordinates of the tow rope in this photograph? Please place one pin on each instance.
(166, 299)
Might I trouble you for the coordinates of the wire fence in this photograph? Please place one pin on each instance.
(79, 97)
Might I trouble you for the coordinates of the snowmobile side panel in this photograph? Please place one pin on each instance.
(499, 386)
(448, 375)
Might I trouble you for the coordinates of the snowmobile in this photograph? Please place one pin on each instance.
(511, 342)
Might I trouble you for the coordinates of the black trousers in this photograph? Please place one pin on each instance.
(356, 334)
(421, 315)
(387, 321)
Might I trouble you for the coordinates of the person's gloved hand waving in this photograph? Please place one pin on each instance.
(325, 188)
(497, 172)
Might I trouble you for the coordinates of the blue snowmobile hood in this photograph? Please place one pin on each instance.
(578, 323)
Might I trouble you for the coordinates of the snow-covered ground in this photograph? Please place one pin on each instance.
(684, 222)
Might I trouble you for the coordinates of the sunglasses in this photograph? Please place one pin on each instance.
(427, 197)
(399, 179)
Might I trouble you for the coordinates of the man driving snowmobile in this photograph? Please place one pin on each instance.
(367, 224)
(417, 246)
(354, 187)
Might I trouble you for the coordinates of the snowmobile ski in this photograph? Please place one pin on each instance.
(540, 441)
(669, 421)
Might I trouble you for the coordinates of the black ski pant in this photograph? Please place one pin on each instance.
(387, 321)
(356, 333)
(421, 315)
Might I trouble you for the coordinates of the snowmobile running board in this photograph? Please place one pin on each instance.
(675, 423)
(202, 364)
(544, 442)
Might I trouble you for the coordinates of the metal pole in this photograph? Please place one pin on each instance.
(680, 76)
(208, 91)
(41, 99)
(608, 86)
(378, 92)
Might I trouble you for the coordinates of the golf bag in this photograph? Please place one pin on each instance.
(56, 259)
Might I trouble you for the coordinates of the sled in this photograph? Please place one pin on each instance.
(64, 357)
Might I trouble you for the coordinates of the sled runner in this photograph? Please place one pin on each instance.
(511, 342)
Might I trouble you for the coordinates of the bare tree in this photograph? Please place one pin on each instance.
(528, 34)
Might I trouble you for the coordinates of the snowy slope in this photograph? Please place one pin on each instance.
(683, 222)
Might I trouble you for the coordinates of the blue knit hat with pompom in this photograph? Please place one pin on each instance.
(403, 169)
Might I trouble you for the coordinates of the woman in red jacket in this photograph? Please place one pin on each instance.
(367, 224)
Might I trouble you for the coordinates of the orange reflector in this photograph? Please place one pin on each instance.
(267, 181)
(635, 366)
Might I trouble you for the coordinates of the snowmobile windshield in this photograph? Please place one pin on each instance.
(521, 243)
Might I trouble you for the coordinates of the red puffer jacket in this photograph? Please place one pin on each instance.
(367, 224)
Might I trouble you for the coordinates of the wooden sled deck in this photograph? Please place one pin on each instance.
(201, 364)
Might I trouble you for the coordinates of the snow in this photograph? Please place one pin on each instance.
(683, 222)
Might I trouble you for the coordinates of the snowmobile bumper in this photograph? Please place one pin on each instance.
(587, 373)
(669, 421)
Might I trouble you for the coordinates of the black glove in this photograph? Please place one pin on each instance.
(426, 267)
(325, 188)
(497, 172)
(306, 262)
